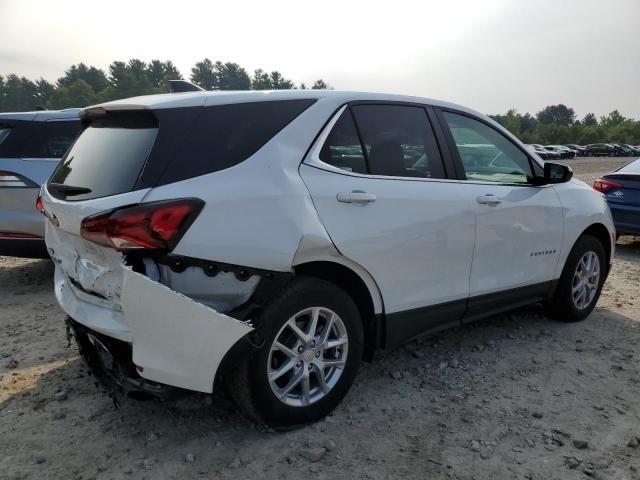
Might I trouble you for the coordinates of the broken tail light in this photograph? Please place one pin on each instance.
(606, 185)
(154, 225)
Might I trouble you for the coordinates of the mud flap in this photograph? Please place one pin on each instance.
(176, 340)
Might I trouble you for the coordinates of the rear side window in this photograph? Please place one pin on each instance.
(386, 140)
(52, 139)
(343, 149)
(225, 135)
(107, 157)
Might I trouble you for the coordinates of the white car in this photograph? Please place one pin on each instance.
(275, 239)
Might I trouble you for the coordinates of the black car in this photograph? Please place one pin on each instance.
(635, 150)
(599, 150)
(622, 150)
(580, 150)
(562, 152)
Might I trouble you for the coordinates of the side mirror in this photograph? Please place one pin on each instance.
(556, 173)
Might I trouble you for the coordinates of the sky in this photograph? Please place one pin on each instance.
(491, 55)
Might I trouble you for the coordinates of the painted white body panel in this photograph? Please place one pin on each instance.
(422, 242)
(518, 241)
(175, 340)
(582, 207)
(416, 239)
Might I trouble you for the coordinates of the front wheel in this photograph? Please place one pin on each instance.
(310, 354)
(581, 281)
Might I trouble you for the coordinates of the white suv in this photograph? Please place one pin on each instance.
(276, 239)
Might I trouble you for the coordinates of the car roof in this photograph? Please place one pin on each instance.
(205, 98)
(41, 115)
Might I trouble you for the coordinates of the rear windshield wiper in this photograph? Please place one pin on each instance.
(67, 190)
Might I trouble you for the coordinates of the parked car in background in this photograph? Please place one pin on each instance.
(570, 151)
(599, 150)
(31, 144)
(579, 149)
(634, 150)
(621, 188)
(284, 236)
(562, 152)
(544, 153)
(622, 150)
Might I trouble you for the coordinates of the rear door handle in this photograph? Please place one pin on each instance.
(488, 199)
(356, 196)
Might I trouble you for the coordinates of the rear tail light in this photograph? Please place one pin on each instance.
(39, 204)
(606, 185)
(10, 179)
(154, 225)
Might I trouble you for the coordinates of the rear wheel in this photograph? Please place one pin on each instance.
(312, 347)
(581, 281)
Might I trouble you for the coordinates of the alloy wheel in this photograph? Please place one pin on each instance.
(586, 280)
(308, 356)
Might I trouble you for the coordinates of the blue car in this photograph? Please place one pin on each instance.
(622, 191)
(31, 145)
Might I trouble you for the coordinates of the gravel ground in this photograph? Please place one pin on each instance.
(518, 396)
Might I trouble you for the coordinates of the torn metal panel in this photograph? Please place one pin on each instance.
(176, 340)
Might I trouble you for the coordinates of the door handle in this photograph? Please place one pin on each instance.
(488, 199)
(356, 196)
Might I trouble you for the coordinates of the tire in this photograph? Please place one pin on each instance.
(563, 306)
(248, 381)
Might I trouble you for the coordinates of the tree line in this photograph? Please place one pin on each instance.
(558, 124)
(83, 85)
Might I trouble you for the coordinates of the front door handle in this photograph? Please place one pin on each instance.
(488, 199)
(356, 196)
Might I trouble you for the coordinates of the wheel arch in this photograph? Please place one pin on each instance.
(601, 233)
(369, 303)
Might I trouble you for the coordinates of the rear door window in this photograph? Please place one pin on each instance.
(398, 141)
(385, 140)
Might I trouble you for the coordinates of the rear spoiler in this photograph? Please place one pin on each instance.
(179, 86)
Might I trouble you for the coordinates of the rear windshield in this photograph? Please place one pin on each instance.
(108, 156)
(633, 167)
(26, 139)
(127, 151)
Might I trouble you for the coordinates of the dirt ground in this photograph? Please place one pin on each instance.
(519, 396)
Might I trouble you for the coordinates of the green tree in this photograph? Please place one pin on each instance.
(278, 82)
(20, 94)
(78, 94)
(320, 85)
(161, 72)
(93, 76)
(613, 119)
(589, 120)
(230, 76)
(202, 74)
(559, 114)
(260, 80)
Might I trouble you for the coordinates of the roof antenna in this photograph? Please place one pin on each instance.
(179, 86)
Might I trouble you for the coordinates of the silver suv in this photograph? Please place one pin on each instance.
(31, 144)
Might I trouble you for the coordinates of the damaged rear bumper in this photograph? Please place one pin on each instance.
(173, 340)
